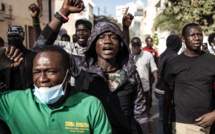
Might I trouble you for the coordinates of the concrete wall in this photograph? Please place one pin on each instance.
(19, 15)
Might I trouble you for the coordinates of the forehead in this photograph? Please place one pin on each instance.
(108, 33)
(48, 57)
(193, 29)
(148, 39)
(81, 26)
(136, 40)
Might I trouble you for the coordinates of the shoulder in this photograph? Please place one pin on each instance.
(208, 57)
(148, 54)
(13, 95)
(177, 58)
(86, 98)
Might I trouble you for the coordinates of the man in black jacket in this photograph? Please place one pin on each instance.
(173, 44)
(18, 78)
(107, 72)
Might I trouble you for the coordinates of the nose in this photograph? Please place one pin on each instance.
(107, 39)
(42, 78)
(197, 37)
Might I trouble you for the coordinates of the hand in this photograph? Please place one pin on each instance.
(15, 55)
(34, 10)
(72, 6)
(127, 18)
(206, 120)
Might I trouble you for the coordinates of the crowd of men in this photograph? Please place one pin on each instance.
(101, 82)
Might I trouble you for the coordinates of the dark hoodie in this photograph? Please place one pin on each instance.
(125, 106)
(173, 46)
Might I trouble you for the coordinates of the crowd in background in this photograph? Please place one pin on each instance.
(100, 81)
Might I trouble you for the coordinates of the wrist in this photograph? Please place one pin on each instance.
(65, 12)
(60, 16)
(36, 19)
(125, 27)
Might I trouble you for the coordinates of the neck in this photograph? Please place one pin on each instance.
(149, 47)
(107, 66)
(192, 53)
(82, 45)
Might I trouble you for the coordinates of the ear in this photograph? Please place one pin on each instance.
(182, 39)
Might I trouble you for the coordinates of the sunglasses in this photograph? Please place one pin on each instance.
(136, 45)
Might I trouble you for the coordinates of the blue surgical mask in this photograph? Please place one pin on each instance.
(50, 95)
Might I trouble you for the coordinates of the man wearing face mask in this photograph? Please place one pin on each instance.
(21, 77)
(53, 106)
(18, 78)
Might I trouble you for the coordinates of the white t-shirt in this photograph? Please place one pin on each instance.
(71, 48)
(144, 61)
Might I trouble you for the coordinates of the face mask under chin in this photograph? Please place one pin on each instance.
(51, 95)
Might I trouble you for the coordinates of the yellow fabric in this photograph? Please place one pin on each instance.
(182, 128)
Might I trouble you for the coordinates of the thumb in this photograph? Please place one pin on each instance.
(199, 119)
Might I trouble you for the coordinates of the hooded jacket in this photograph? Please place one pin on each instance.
(125, 107)
(173, 46)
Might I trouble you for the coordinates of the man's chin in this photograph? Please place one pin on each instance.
(82, 43)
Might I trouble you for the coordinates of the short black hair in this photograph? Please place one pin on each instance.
(148, 38)
(135, 38)
(64, 55)
(189, 25)
(85, 22)
(210, 38)
(65, 36)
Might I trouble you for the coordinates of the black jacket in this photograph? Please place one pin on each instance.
(173, 46)
(125, 106)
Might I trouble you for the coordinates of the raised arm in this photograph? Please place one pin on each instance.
(68, 7)
(50, 32)
(126, 22)
(34, 11)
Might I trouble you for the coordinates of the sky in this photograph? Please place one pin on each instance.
(110, 6)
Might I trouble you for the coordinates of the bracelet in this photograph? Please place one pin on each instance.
(62, 15)
(36, 24)
(59, 17)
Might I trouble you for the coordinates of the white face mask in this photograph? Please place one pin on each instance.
(50, 95)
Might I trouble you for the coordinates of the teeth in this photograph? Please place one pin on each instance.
(81, 39)
(43, 88)
(108, 51)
